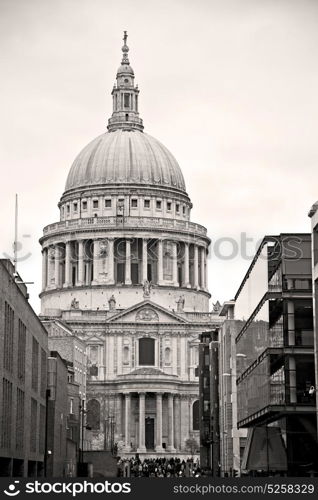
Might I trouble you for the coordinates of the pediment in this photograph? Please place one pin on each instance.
(94, 339)
(146, 312)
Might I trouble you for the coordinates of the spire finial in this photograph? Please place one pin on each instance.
(125, 49)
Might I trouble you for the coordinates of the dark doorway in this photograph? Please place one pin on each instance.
(73, 275)
(180, 275)
(134, 273)
(120, 272)
(150, 433)
(149, 272)
(18, 467)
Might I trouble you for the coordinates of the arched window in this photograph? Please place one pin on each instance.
(146, 351)
(167, 356)
(93, 414)
(195, 416)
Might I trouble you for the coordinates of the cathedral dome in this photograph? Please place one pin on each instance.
(126, 157)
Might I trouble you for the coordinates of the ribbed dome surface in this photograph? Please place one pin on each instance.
(125, 157)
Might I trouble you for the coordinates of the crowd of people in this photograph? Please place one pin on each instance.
(158, 467)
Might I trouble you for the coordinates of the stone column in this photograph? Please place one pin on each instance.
(174, 264)
(195, 267)
(57, 257)
(202, 268)
(170, 424)
(111, 260)
(44, 268)
(67, 281)
(95, 262)
(144, 260)
(127, 421)
(186, 281)
(80, 269)
(206, 270)
(159, 422)
(128, 263)
(160, 262)
(142, 400)
(118, 417)
(177, 423)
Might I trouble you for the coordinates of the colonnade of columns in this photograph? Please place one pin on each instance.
(173, 404)
(61, 260)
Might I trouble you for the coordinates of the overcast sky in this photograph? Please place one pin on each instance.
(229, 86)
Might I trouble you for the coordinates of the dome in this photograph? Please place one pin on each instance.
(125, 69)
(125, 157)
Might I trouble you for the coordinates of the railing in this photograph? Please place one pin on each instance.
(127, 222)
(198, 316)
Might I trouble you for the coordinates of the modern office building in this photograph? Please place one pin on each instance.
(126, 270)
(313, 214)
(276, 375)
(232, 439)
(23, 377)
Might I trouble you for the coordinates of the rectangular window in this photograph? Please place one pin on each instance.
(169, 206)
(177, 208)
(84, 205)
(126, 100)
(146, 351)
(183, 210)
(8, 338)
(146, 203)
(43, 373)
(75, 207)
(34, 418)
(95, 203)
(158, 204)
(71, 406)
(67, 209)
(19, 430)
(35, 365)
(134, 203)
(21, 351)
(108, 203)
(6, 430)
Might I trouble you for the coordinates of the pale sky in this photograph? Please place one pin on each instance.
(229, 86)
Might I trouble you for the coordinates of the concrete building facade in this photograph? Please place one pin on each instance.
(126, 270)
(57, 419)
(23, 377)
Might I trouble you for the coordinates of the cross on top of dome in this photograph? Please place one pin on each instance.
(125, 49)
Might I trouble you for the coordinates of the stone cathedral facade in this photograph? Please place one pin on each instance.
(126, 270)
